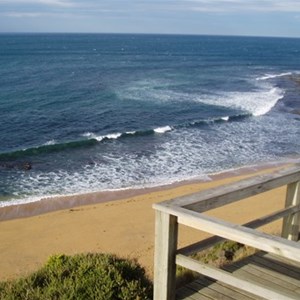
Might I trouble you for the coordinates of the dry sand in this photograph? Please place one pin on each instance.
(124, 227)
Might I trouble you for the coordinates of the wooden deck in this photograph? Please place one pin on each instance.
(262, 268)
(272, 274)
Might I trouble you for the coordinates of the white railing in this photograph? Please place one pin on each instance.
(189, 211)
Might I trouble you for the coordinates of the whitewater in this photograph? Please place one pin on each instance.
(84, 113)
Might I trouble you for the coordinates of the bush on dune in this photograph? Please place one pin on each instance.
(83, 276)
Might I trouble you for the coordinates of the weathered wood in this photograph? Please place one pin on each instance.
(204, 244)
(260, 267)
(291, 223)
(208, 289)
(280, 260)
(250, 295)
(248, 236)
(238, 233)
(266, 277)
(226, 194)
(270, 263)
(200, 246)
(224, 289)
(186, 294)
(208, 292)
(185, 210)
(237, 281)
(166, 232)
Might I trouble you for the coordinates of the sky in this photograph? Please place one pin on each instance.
(217, 17)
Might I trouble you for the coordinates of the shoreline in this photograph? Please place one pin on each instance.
(57, 202)
(124, 227)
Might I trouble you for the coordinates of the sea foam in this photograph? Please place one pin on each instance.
(100, 138)
(257, 103)
(162, 129)
(49, 143)
(271, 76)
(225, 118)
(149, 105)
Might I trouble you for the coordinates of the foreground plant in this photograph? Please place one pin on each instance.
(84, 276)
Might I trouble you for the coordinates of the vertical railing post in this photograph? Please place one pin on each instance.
(291, 223)
(166, 234)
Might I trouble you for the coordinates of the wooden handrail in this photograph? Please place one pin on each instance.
(189, 210)
(204, 244)
(226, 194)
(238, 233)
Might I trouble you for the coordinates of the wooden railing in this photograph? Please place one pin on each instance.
(189, 210)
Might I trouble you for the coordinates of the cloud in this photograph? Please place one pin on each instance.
(58, 3)
(228, 6)
(23, 15)
(153, 9)
(241, 5)
(62, 3)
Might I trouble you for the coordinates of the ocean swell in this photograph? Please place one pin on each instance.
(91, 139)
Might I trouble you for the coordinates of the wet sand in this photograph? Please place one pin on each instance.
(120, 222)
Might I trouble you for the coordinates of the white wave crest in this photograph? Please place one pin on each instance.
(162, 129)
(99, 138)
(271, 76)
(51, 142)
(225, 118)
(113, 136)
(88, 134)
(257, 103)
(267, 101)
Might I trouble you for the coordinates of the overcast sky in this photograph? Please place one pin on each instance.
(224, 17)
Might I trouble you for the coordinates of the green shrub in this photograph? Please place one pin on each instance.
(89, 276)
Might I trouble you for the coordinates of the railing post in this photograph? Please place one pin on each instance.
(166, 234)
(291, 223)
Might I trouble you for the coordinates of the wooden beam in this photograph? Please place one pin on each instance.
(200, 246)
(204, 244)
(166, 234)
(289, 210)
(233, 280)
(238, 233)
(226, 194)
(291, 223)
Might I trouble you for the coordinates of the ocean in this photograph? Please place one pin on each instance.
(97, 112)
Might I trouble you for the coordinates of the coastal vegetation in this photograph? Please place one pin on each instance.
(105, 276)
(82, 277)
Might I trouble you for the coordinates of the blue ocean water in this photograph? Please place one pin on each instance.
(89, 112)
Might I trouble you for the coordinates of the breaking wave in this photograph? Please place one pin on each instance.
(271, 76)
(92, 139)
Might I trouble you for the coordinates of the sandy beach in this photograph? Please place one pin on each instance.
(120, 223)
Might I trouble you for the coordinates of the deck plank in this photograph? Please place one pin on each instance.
(271, 263)
(278, 259)
(259, 270)
(264, 268)
(226, 290)
(206, 290)
(185, 293)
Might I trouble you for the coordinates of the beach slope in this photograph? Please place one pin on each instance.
(124, 227)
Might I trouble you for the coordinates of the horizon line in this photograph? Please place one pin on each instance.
(147, 33)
